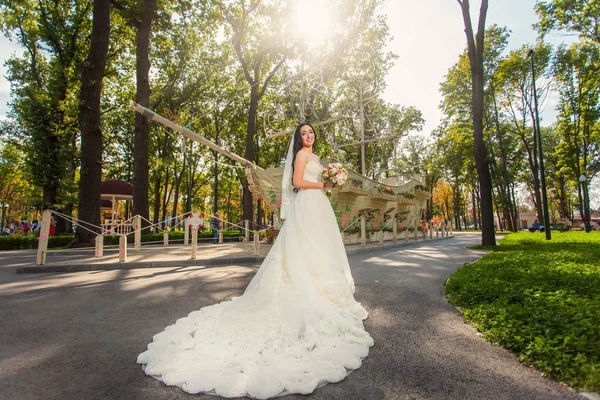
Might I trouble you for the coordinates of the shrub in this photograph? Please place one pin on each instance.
(541, 300)
(20, 242)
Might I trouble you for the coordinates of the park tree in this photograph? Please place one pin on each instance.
(577, 74)
(140, 15)
(362, 82)
(515, 96)
(396, 123)
(500, 139)
(13, 179)
(92, 76)
(257, 32)
(570, 16)
(455, 144)
(562, 184)
(418, 154)
(456, 105)
(475, 51)
(44, 83)
(443, 199)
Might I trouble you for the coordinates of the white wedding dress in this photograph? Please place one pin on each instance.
(296, 327)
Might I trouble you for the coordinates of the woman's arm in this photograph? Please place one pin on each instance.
(299, 166)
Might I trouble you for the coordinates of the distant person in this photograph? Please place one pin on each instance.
(26, 227)
(201, 223)
(52, 229)
(536, 226)
(215, 223)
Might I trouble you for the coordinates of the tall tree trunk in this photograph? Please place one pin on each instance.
(229, 205)
(142, 128)
(157, 182)
(562, 197)
(216, 181)
(177, 184)
(92, 76)
(249, 153)
(475, 51)
(475, 222)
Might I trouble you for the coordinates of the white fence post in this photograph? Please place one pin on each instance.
(363, 230)
(99, 252)
(166, 237)
(395, 229)
(416, 229)
(437, 230)
(137, 241)
(450, 226)
(123, 249)
(186, 231)
(256, 244)
(430, 226)
(43, 241)
(220, 236)
(194, 242)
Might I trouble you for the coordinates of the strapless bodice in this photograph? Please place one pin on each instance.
(313, 170)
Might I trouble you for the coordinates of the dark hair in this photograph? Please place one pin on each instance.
(298, 143)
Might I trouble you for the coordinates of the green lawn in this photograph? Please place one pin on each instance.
(539, 299)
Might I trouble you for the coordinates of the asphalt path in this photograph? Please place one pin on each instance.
(77, 335)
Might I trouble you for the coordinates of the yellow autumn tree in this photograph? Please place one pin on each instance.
(442, 199)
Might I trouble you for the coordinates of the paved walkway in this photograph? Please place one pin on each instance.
(77, 335)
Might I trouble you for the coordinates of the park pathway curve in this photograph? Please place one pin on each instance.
(77, 335)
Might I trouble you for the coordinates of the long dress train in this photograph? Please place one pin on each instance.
(295, 328)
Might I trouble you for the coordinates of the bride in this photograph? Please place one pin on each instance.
(297, 325)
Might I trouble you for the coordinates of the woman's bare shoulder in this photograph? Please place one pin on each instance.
(302, 156)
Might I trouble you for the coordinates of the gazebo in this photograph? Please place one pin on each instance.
(112, 191)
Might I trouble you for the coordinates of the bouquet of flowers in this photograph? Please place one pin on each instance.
(335, 174)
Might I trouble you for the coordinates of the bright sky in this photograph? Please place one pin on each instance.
(429, 37)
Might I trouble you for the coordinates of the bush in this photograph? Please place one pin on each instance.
(541, 300)
(19, 242)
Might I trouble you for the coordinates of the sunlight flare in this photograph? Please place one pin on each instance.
(312, 20)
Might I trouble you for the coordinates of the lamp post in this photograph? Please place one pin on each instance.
(537, 131)
(585, 217)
